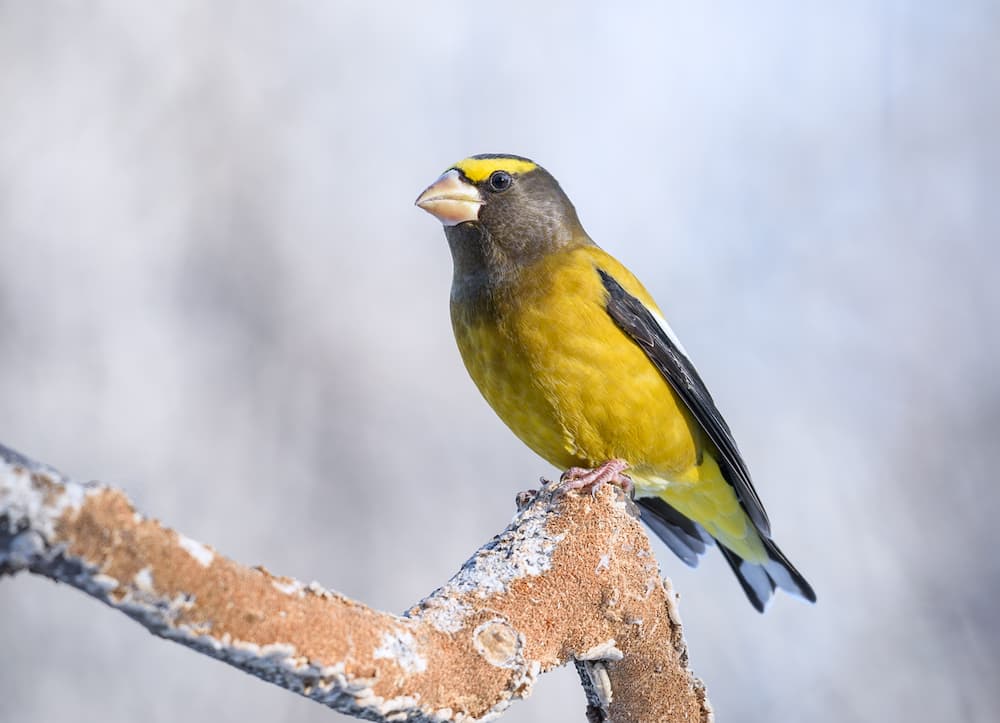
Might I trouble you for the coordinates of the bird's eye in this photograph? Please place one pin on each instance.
(500, 181)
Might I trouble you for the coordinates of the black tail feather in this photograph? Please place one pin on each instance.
(689, 540)
(685, 537)
(759, 581)
(758, 590)
(795, 584)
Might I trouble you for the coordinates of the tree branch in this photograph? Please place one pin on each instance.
(571, 579)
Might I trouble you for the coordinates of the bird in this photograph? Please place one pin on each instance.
(573, 354)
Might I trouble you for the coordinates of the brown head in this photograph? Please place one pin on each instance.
(500, 213)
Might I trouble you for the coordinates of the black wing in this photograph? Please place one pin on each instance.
(633, 318)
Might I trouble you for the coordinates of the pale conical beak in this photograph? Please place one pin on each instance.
(451, 199)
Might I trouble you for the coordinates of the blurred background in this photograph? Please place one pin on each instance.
(216, 293)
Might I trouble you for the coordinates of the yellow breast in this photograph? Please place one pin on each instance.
(566, 379)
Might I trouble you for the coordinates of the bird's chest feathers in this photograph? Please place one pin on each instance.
(553, 365)
(511, 365)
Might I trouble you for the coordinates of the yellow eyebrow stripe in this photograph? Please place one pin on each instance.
(479, 169)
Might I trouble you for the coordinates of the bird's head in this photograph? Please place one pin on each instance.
(500, 213)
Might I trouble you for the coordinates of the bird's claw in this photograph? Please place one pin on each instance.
(611, 472)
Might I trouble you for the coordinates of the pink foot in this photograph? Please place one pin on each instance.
(578, 478)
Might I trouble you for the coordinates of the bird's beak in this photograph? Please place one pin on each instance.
(451, 199)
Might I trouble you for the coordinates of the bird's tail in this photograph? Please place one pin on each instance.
(689, 541)
(685, 537)
(760, 579)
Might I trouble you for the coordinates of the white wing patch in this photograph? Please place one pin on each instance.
(669, 332)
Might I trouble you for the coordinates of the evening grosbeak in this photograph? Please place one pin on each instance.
(575, 357)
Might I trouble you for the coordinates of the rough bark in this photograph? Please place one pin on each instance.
(572, 579)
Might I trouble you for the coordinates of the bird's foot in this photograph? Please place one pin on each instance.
(611, 472)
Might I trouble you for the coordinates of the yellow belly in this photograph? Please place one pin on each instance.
(567, 380)
(578, 391)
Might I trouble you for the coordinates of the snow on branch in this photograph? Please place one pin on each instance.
(572, 579)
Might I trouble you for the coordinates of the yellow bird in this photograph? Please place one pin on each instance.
(575, 357)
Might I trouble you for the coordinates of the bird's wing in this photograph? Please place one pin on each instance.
(654, 337)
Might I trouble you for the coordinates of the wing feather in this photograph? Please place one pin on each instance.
(640, 324)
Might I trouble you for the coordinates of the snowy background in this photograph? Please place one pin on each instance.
(216, 293)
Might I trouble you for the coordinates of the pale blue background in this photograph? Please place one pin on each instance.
(216, 293)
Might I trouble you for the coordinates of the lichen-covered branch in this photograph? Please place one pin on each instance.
(572, 579)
